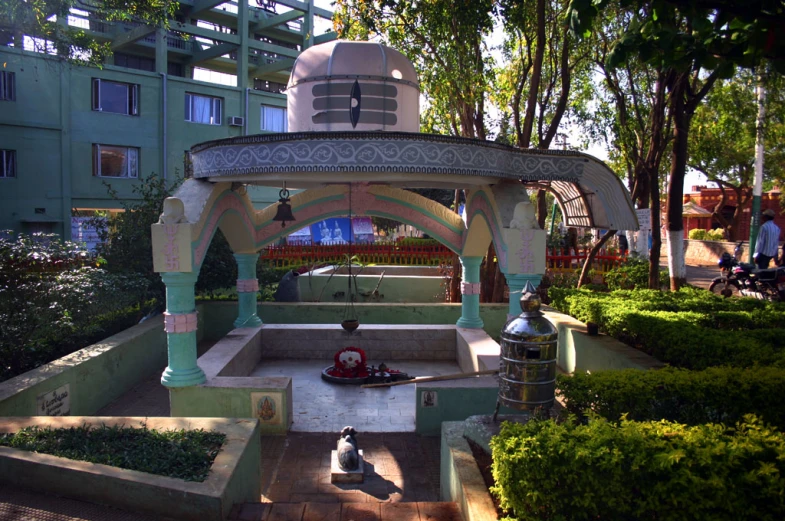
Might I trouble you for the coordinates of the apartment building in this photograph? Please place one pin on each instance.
(66, 131)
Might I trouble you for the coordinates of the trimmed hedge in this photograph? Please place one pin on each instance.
(635, 471)
(715, 395)
(691, 328)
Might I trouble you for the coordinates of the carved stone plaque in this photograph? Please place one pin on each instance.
(54, 403)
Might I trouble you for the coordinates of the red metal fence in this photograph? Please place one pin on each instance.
(557, 260)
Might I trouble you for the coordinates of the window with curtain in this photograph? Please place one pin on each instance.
(203, 109)
(113, 161)
(274, 119)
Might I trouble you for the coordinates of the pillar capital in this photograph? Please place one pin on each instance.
(179, 278)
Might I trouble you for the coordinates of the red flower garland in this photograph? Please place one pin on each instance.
(340, 369)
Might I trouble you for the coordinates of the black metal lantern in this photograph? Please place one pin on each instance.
(284, 210)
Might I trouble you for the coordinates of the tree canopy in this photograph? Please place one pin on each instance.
(45, 22)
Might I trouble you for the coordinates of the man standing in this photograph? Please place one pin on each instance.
(768, 240)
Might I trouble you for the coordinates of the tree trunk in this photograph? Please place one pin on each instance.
(593, 253)
(489, 275)
(455, 280)
(498, 286)
(656, 231)
(542, 209)
(675, 225)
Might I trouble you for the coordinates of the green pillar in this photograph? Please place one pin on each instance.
(470, 293)
(247, 288)
(516, 283)
(180, 327)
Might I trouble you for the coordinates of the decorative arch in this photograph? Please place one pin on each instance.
(481, 212)
(216, 206)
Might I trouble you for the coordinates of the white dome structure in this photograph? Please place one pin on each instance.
(353, 86)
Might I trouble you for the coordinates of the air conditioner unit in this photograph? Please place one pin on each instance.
(236, 121)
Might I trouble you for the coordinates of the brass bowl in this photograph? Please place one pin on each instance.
(350, 324)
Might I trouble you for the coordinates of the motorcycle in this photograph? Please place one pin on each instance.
(740, 278)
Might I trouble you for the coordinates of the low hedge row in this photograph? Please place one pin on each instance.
(633, 471)
(691, 329)
(715, 395)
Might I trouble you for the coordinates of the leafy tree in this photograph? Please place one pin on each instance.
(722, 142)
(627, 110)
(696, 43)
(444, 41)
(46, 22)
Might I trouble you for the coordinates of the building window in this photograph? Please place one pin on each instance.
(274, 119)
(203, 109)
(112, 161)
(7, 163)
(115, 97)
(7, 86)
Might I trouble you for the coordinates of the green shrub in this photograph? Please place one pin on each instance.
(417, 241)
(707, 235)
(632, 274)
(715, 395)
(181, 454)
(698, 234)
(54, 302)
(691, 328)
(634, 471)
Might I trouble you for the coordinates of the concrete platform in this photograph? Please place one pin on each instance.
(339, 475)
(320, 406)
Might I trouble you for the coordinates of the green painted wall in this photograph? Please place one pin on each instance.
(455, 403)
(232, 401)
(219, 316)
(97, 375)
(52, 128)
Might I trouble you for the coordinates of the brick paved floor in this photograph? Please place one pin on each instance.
(399, 467)
(348, 512)
(320, 406)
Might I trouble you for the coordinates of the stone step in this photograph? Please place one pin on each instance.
(395, 511)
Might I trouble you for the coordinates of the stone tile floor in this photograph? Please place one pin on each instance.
(320, 406)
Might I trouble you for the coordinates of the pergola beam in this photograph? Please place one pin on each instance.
(277, 20)
(203, 5)
(211, 52)
(131, 36)
(269, 68)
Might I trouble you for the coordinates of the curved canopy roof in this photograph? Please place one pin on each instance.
(589, 193)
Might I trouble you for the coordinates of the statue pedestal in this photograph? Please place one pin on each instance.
(338, 475)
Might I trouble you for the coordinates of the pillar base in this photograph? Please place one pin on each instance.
(470, 323)
(174, 378)
(252, 321)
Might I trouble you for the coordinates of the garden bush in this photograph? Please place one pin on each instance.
(54, 302)
(691, 328)
(707, 235)
(714, 395)
(633, 274)
(180, 454)
(640, 471)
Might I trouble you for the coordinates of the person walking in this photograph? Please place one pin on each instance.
(768, 240)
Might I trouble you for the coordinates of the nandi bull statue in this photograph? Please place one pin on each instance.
(348, 455)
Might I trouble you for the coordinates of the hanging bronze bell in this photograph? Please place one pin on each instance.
(284, 211)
